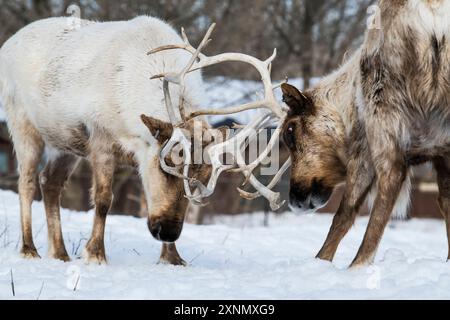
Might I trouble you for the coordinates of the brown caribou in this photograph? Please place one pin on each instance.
(385, 110)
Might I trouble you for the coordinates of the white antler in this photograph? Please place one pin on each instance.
(201, 61)
(236, 144)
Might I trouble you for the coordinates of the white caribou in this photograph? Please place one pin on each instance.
(88, 92)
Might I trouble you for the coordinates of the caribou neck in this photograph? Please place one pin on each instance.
(336, 97)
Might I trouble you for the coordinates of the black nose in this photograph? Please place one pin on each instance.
(164, 230)
(301, 197)
(310, 198)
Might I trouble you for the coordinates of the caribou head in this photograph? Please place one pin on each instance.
(312, 135)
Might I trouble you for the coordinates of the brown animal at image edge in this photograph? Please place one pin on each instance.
(387, 109)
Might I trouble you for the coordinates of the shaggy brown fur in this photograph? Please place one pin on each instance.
(385, 110)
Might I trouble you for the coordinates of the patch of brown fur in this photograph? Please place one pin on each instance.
(442, 166)
(103, 167)
(29, 155)
(170, 202)
(315, 157)
(160, 130)
(52, 180)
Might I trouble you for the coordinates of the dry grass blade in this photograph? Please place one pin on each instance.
(13, 289)
(40, 290)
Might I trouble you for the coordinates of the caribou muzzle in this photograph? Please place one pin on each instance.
(308, 199)
(165, 230)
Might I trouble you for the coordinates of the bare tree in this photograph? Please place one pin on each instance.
(311, 35)
(316, 33)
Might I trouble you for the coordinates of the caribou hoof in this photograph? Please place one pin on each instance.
(92, 254)
(58, 252)
(62, 256)
(355, 266)
(324, 256)
(170, 256)
(174, 261)
(94, 258)
(29, 253)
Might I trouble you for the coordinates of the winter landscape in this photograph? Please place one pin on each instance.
(235, 258)
(379, 124)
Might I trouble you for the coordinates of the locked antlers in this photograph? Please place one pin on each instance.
(234, 146)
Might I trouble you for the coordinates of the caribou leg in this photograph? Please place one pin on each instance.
(442, 166)
(391, 177)
(52, 180)
(103, 166)
(29, 147)
(359, 181)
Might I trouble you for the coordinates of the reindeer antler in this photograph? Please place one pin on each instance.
(268, 102)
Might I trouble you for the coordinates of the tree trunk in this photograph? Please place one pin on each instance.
(307, 43)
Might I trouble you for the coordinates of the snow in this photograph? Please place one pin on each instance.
(235, 258)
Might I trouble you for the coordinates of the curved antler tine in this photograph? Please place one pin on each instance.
(197, 198)
(274, 198)
(197, 52)
(272, 184)
(219, 149)
(217, 170)
(196, 202)
(169, 105)
(166, 48)
(199, 187)
(272, 57)
(194, 199)
(178, 137)
(273, 141)
(184, 36)
(277, 86)
(270, 60)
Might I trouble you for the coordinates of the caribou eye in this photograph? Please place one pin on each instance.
(289, 136)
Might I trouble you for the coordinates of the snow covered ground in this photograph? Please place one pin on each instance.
(236, 258)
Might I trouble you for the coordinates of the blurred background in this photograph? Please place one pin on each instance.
(313, 37)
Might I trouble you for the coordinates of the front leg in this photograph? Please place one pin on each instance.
(391, 176)
(52, 180)
(103, 166)
(360, 176)
(442, 166)
(170, 255)
(387, 134)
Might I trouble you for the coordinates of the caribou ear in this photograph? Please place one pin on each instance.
(162, 131)
(299, 103)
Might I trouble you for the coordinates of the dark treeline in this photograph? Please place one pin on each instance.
(312, 36)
